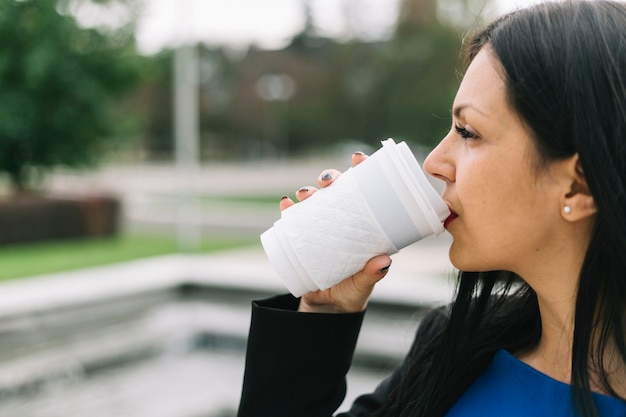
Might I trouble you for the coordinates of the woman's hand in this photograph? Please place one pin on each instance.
(350, 295)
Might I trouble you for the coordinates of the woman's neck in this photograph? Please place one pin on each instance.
(553, 354)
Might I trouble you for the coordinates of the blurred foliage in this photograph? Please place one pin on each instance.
(352, 91)
(70, 93)
(60, 84)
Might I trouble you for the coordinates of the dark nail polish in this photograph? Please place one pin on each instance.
(385, 269)
(326, 176)
(303, 189)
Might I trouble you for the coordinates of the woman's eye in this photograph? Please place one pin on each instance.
(464, 133)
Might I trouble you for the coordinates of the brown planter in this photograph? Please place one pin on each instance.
(45, 218)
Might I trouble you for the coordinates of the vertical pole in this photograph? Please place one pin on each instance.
(186, 133)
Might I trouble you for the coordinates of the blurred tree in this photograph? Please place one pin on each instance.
(346, 90)
(420, 81)
(401, 88)
(219, 78)
(415, 16)
(155, 98)
(59, 84)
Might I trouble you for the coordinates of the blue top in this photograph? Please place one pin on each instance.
(511, 388)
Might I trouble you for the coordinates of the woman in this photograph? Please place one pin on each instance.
(534, 168)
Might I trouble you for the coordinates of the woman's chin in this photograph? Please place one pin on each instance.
(463, 260)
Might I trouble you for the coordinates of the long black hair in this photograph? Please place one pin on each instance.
(565, 72)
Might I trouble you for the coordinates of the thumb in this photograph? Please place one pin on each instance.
(375, 270)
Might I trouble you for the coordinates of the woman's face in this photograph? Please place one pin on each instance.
(505, 205)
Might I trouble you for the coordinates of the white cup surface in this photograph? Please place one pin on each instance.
(380, 206)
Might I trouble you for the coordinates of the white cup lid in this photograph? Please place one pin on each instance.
(393, 176)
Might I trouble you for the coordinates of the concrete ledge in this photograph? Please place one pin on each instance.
(420, 275)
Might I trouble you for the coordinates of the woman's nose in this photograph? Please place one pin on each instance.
(439, 162)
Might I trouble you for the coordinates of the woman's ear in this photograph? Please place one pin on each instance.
(577, 201)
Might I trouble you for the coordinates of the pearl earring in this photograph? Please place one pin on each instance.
(567, 209)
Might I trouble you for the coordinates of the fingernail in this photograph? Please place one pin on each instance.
(359, 153)
(326, 176)
(385, 269)
(303, 189)
(284, 197)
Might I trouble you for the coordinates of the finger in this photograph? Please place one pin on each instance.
(285, 202)
(375, 270)
(358, 157)
(327, 177)
(305, 192)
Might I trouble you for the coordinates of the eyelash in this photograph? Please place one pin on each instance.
(464, 133)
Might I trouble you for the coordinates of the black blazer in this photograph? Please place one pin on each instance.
(296, 363)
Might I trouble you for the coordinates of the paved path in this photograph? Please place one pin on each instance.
(236, 178)
(158, 197)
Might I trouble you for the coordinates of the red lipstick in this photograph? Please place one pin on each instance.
(450, 219)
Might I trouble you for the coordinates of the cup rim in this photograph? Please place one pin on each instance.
(423, 196)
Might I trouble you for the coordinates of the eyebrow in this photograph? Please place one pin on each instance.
(458, 109)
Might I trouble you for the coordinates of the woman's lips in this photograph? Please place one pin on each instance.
(450, 219)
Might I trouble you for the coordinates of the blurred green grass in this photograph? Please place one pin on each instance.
(260, 199)
(21, 261)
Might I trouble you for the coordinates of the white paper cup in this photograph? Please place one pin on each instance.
(378, 207)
